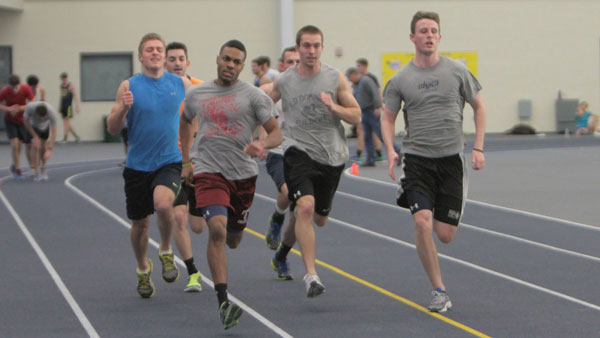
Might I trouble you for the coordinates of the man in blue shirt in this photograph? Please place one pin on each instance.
(149, 103)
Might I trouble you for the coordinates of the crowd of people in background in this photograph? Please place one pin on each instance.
(30, 121)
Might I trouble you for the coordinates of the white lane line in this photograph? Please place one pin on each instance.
(57, 280)
(488, 205)
(458, 261)
(155, 244)
(490, 232)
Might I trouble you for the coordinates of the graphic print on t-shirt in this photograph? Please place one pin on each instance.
(216, 110)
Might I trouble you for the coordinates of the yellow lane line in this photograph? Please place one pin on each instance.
(385, 292)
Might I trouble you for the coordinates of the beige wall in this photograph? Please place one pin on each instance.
(526, 49)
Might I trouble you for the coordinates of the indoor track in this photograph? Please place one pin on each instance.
(525, 262)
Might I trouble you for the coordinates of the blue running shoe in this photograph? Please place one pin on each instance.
(273, 234)
(282, 269)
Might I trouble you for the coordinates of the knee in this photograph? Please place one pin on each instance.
(163, 206)
(217, 229)
(197, 224)
(180, 217)
(423, 223)
(233, 243)
(445, 237)
(320, 220)
(305, 208)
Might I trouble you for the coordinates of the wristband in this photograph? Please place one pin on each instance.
(186, 164)
(479, 150)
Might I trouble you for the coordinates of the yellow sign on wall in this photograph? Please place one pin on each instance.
(392, 62)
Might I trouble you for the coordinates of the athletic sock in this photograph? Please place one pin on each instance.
(282, 252)
(221, 290)
(160, 252)
(189, 264)
(358, 152)
(440, 290)
(378, 152)
(278, 217)
(281, 211)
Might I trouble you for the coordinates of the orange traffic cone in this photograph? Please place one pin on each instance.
(354, 169)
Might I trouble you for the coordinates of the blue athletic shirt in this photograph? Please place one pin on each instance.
(153, 121)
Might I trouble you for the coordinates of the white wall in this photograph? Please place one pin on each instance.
(526, 49)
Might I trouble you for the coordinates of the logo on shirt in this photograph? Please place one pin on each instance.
(173, 93)
(429, 85)
(217, 110)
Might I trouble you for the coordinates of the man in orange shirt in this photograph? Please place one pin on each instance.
(177, 62)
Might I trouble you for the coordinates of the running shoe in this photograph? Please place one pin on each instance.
(229, 313)
(37, 178)
(169, 270)
(273, 235)
(16, 173)
(44, 174)
(314, 287)
(282, 269)
(440, 301)
(145, 287)
(193, 284)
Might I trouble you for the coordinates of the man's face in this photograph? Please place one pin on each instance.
(290, 59)
(230, 64)
(177, 62)
(426, 37)
(153, 55)
(354, 77)
(256, 69)
(361, 68)
(310, 48)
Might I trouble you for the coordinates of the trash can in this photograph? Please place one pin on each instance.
(107, 136)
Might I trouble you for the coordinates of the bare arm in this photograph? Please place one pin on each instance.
(348, 109)
(257, 148)
(478, 106)
(274, 93)
(388, 126)
(186, 135)
(123, 101)
(42, 93)
(75, 98)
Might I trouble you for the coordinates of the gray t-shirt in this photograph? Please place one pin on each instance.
(366, 94)
(36, 120)
(309, 125)
(227, 117)
(434, 99)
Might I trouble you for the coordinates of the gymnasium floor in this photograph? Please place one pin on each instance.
(525, 262)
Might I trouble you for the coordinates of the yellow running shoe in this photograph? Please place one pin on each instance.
(145, 287)
(169, 270)
(193, 284)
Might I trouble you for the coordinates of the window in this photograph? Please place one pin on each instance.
(101, 74)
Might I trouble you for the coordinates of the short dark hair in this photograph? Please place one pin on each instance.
(261, 60)
(63, 75)
(177, 45)
(32, 80)
(288, 49)
(234, 44)
(14, 80)
(41, 110)
(424, 15)
(351, 71)
(308, 29)
(363, 62)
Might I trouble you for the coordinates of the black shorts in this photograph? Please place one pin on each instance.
(139, 188)
(275, 169)
(66, 112)
(304, 176)
(437, 184)
(187, 195)
(17, 130)
(42, 134)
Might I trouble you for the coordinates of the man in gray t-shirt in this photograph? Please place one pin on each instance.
(40, 120)
(316, 98)
(434, 90)
(224, 172)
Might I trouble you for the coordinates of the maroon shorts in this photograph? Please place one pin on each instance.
(236, 195)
